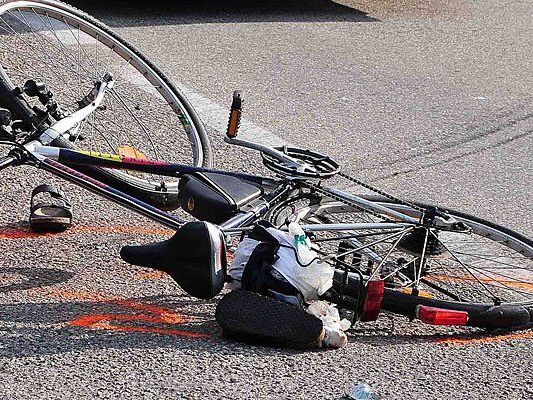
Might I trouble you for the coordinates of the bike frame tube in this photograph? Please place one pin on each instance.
(109, 192)
(95, 159)
(171, 220)
(370, 205)
(354, 226)
(132, 203)
(76, 157)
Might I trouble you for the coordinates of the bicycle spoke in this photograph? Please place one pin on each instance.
(378, 268)
(80, 47)
(493, 261)
(464, 266)
(104, 136)
(453, 279)
(470, 269)
(26, 43)
(511, 279)
(141, 125)
(453, 288)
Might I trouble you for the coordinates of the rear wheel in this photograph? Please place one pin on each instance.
(144, 115)
(487, 272)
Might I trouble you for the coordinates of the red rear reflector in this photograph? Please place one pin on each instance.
(441, 316)
(372, 303)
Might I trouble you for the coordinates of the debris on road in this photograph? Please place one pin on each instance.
(361, 391)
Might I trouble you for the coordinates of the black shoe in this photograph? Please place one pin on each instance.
(252, 318)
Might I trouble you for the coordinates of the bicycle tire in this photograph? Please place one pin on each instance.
(144, 190)
(483, 315)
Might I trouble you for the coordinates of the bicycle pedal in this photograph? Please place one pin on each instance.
(235, 115)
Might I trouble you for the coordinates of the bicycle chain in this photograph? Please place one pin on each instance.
(381, 192)
(317, 188)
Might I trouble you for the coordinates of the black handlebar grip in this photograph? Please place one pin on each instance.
(235, 115)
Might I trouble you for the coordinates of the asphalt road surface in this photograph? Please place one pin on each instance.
(429, 99)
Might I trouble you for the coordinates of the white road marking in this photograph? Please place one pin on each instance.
(212, 114)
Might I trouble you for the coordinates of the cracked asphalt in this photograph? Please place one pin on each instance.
(429, 99)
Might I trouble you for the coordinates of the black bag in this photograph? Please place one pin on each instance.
(259, 275)
(214, 197)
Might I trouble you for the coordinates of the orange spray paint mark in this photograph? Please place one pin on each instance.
(100, 321)
(151, 275)
(18, 233)
(103, 321)
(507, 282)
(486, 339)
(150, 313)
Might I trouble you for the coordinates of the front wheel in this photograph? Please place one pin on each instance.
(487, 272)
(143, 115)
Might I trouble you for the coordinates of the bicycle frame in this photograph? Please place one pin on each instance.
(410, 230)
(37, 156)
(61, 162)
(54, 160)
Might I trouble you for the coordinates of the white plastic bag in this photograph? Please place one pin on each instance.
(295, 249)
(317, 274)
(329, 315)
(334, 327)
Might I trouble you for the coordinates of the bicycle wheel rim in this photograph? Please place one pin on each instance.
(70, 35)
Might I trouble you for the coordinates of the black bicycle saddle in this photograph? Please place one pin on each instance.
(195, 257)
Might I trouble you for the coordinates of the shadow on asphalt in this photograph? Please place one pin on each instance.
(200, 334)
(34, 340)
(121, 13)
(135, 330)
(32, 278)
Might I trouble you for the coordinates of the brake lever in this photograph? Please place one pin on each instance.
(66, 124)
